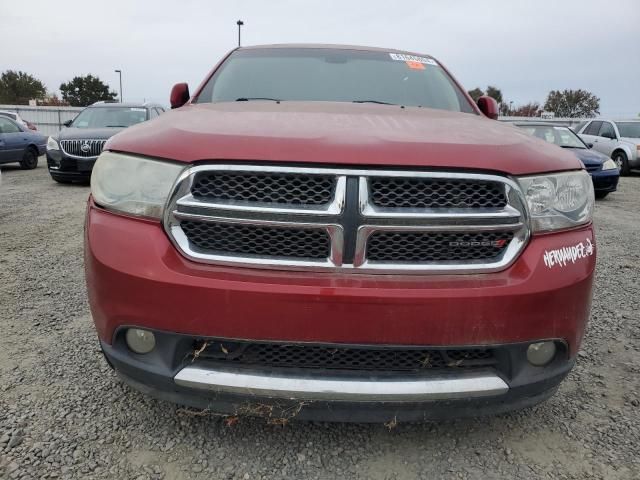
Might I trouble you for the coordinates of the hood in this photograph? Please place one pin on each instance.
(632, 141)
(72, 133)
(590, 158)
(341, 134)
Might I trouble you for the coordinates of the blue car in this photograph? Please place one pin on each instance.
(604, 171)
(20, 145)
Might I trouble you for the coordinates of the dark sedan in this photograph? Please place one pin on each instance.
(604, 171)
(72, 152)
(20, 145)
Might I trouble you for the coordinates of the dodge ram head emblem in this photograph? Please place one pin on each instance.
(85, 147)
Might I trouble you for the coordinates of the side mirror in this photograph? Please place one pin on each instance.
(67, 123)
(589, 145)
(179, 95)
(488, 106)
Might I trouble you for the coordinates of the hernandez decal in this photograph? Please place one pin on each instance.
(413, 59)
(562, 256)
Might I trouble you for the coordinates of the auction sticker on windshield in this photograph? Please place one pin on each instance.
(402, 57)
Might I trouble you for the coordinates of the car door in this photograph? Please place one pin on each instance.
(590, 133)
(606, 139)
(12, 141)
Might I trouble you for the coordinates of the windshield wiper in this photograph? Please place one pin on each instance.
(248, 99)
(109, 126)
(373, 101)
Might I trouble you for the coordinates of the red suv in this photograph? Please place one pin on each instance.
(338, 233)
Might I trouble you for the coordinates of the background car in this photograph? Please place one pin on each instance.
(15, 116)
(619, 140)
(603, 170)
(73, 151)
(19, 144)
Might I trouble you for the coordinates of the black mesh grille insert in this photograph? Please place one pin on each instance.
(278, 188)
(417, 247)
(251, 240)
(343, 357)
(391, 192)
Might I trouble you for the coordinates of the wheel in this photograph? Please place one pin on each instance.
(29, 159)
(621, 160)
(601, 195)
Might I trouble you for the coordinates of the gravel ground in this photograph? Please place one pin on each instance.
(64, 414)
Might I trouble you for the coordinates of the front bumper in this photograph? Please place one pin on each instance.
(173, 373)
(605, 181)
(135, 277)
(67, 168)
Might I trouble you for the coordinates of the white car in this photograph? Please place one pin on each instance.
(619, 139)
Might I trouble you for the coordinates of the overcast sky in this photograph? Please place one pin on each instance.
(525, 48)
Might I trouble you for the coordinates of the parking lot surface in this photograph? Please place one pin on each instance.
(64, 413)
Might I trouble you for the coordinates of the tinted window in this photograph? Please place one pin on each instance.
(7, 126)
(607, 130)
(593, 128)
(332, 75)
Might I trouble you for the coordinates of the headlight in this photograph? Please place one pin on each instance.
(133, 185)
(559, 201)
(609, 165)
(52, 144)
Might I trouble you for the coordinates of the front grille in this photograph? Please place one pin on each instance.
(264, 188)
(418, 247)
(83, 148)
(381, 359)
(352, 220)
(403, 192)
(254, 241)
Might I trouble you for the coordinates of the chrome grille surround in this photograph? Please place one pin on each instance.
(349, 219)
(84, 148)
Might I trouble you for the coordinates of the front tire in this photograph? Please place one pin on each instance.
(29, 159)
(623, 163)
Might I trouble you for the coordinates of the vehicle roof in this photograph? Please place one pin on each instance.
(9, 111)
(332, 46)
(538, 124)
(626, 120)
(124, 105)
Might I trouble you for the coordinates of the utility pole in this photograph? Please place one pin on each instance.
(119, 72)
(240, 23)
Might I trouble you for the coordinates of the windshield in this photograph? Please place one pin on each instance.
(561, 136)
(102, 117)
(10, 115)
(629, 129)
(333, 75)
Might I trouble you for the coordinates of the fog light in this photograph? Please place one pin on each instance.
(541, 353)
(140, 341)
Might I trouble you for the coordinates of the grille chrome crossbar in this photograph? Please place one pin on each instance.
(89, 148)
(349, 216)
